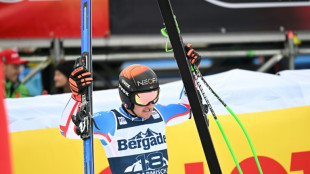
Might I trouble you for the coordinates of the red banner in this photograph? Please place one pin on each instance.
(50, 19)
(5, 159)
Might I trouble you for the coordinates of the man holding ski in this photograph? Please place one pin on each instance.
(133, 135)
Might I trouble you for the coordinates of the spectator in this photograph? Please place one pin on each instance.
(12, 61)
(61, 76)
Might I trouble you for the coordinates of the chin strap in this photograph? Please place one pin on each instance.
(134, 115)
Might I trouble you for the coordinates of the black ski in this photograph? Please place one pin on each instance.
(187, 77)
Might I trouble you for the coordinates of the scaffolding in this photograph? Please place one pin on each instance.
(123, 48)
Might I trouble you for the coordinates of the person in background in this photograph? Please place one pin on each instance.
(12, 62)
(61, 76)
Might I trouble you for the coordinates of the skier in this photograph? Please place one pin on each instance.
(133, 135)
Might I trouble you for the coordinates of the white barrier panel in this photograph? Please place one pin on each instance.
(274, 110)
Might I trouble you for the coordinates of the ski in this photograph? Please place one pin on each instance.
(86, 59)
(187, 78)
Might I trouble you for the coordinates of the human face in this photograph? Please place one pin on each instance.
(144, 111)
(11, 72)
(60, 79)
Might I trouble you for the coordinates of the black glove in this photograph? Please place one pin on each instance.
(79, 80)
(192, 55)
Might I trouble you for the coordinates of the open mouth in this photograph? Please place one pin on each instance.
(147, 110)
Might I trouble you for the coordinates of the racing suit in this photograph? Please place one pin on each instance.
(132, 144)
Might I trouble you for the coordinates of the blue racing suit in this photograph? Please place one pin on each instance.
(132, 144)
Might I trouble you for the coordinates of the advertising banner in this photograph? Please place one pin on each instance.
(274, 110)
(50, 19)
(5, 159)
(216, 16)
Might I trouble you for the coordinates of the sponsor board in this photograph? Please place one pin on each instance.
(50, 19)
(280, 138)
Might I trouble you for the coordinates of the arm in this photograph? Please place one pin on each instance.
(107, 125)
(79, 80)
(67, 127)
(105, 121)
(176, 113)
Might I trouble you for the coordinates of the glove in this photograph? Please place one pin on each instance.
(79, 80)
(192, 55)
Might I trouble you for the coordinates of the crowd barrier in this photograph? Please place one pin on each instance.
(274, 109)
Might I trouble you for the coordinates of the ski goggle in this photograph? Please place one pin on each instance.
(145, 98)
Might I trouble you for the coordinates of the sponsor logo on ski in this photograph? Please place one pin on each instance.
(142, 141)
(147, 81)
